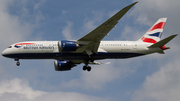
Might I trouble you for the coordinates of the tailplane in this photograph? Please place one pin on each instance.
(162, 43)
(153, 35)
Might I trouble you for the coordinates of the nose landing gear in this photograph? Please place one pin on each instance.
(17, 63)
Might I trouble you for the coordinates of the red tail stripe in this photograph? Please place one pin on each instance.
(158, 26)
(149, 40)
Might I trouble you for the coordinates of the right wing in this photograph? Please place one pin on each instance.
(92, 40)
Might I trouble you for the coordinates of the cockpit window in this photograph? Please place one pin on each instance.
(10, 47)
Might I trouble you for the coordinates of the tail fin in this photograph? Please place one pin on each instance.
(153, 35)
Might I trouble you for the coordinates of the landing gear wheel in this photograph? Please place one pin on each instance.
(84, 68)
(18, 63)
(88, 68)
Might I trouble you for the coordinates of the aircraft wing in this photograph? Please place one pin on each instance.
(92, 39)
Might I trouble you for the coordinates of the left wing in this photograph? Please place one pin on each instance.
(91, 41)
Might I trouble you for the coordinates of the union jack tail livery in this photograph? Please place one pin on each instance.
(153, 35)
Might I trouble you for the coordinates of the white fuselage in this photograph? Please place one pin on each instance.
(90, 47)
(50, 50)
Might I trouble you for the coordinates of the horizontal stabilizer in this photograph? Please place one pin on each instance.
(163, 42)
(161, 52)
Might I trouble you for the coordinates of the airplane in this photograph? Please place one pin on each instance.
(70, 53)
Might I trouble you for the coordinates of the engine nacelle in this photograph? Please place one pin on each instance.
(63, 65)
(67, 46)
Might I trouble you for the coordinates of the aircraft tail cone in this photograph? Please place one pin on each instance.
(167, 48)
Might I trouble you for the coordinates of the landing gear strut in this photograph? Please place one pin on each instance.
(17, 63)
(86, 67)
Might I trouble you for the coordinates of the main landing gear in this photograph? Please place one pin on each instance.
(17, 63)
(86, 67)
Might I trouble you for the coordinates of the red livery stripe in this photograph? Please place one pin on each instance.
(158, 26)
(149, 40)
(24, 44)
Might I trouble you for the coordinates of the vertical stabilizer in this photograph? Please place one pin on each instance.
(153, 35)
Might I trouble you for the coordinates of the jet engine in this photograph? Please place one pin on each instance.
(67, 46)
(63, 65)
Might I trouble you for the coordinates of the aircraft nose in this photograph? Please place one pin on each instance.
(5, 53)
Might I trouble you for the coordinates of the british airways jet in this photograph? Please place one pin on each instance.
(69, 53)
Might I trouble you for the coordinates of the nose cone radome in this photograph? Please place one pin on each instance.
(6, 53)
